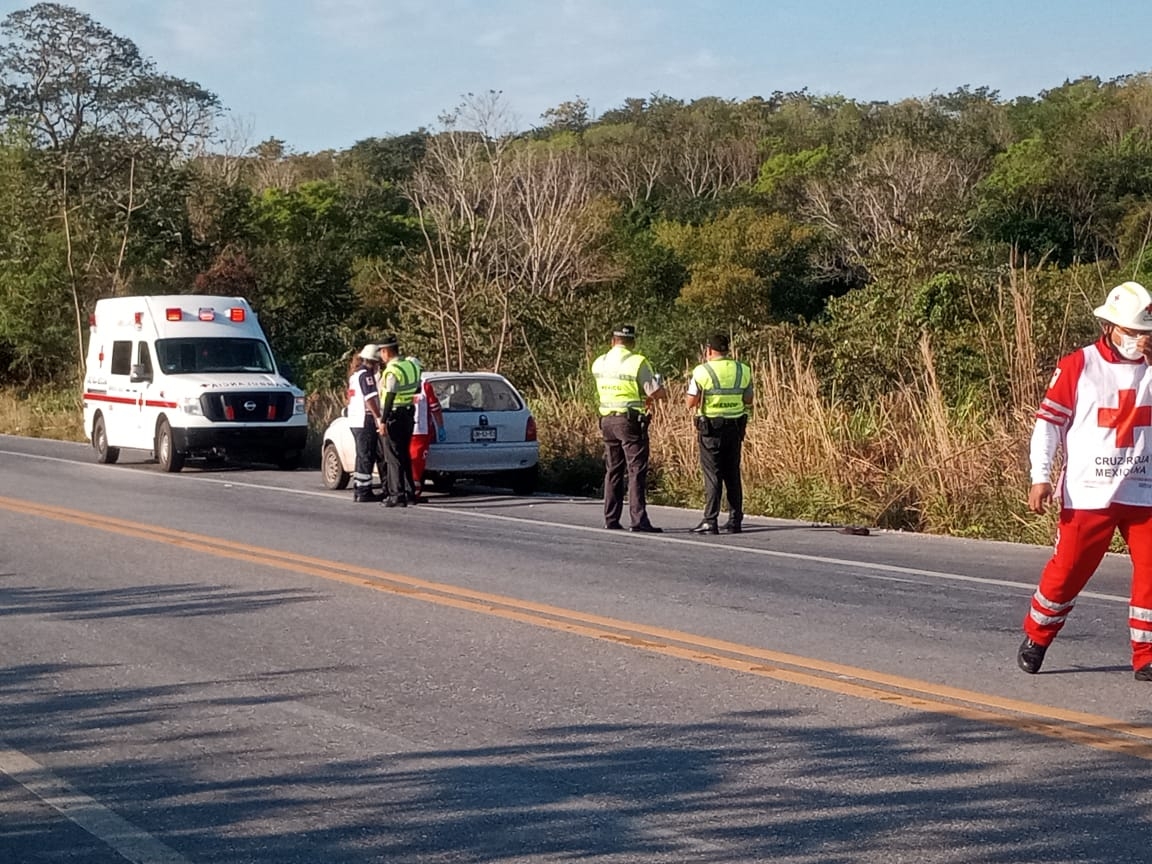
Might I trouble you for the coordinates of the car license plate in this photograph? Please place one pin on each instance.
(484, 433)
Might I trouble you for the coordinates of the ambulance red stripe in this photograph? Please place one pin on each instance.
(128, 400)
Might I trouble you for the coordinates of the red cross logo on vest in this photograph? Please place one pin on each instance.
(1125, 418)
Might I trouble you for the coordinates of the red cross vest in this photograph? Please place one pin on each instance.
(1103, 406)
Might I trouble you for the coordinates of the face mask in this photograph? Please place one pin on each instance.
(1127, 347)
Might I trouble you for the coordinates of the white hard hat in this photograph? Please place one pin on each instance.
(1128, 305)
(370, 352)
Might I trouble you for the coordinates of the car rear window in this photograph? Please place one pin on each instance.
(476, 394)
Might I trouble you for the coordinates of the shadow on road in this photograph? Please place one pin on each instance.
(767, 785)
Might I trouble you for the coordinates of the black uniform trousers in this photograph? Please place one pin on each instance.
(397, 455)
(625, 455)
(367, 442)
(721, 443)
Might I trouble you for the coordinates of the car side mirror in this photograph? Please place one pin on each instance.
(139, 373)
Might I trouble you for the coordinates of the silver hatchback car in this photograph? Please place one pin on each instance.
(490, 436)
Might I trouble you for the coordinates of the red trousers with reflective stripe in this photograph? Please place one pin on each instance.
(418, 450)
(1081, 541)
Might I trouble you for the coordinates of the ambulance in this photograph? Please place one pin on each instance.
(188, 376)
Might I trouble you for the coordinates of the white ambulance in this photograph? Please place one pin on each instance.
(188, 376)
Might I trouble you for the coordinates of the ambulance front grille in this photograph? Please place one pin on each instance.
(262, 406)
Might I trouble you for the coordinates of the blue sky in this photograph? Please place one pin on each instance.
(327, 73)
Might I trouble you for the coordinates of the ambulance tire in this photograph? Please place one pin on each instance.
(166, 454)
(335, 477)
(104, 454)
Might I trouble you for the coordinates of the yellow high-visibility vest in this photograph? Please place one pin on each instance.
(407, 375)
(616, 381)
(722, 383)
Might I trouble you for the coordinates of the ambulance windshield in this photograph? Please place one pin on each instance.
(179, 356)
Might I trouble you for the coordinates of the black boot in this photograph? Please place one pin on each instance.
(1030, 656)
(734, 525)
(365, 496)
(706, 527)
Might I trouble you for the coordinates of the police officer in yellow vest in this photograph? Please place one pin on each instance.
(627, 390)
(720, 392)
(401, 380)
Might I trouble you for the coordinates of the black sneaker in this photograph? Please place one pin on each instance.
(1030, 657)
(1144, 673)
(731, 527)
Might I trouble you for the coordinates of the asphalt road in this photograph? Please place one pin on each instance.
(238, 665)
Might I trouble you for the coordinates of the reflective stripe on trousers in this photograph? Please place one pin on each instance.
(1081, 543)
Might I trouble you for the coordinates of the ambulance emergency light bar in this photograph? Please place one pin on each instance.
(236, 313)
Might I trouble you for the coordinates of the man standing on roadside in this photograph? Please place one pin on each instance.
(720, 392)
(401, 381)
(1098, 408)
(628, 390)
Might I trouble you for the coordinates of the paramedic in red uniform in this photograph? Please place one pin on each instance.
(1098, 409)
(428, 428)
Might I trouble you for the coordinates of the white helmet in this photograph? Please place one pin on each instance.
(370, 352)
(1128, 305)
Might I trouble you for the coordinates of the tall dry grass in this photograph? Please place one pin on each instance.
(909, 461)
(56, 414)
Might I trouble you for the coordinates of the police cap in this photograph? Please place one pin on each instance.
(625, 331)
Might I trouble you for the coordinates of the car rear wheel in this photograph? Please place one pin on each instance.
(166, 454)
(104, 454)
(335, 477)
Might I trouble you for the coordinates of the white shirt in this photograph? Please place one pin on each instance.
(1101, 408)
(361, 388)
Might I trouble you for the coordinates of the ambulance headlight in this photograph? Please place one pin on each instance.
(298, 406)
(191, 405)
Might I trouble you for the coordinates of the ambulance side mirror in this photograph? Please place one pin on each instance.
(139, 373)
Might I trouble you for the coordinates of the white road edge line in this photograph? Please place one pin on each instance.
(663, 538)
(131, 842)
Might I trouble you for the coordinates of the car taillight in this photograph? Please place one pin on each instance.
(530, 432)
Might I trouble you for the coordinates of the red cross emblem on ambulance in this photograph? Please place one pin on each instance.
(1125, 418)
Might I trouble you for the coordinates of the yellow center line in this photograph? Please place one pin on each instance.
(1091, 730)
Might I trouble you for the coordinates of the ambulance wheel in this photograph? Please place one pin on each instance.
(166, 454)
(104, 454)
(335, 477)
